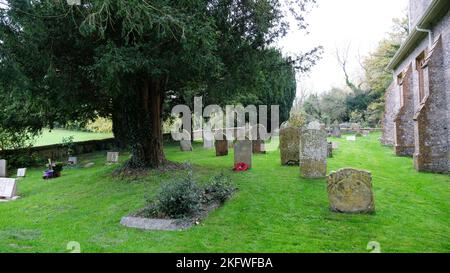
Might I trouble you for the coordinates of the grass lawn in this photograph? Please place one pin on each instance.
(55, 136)
(274, 211)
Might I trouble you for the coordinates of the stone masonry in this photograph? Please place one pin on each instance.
(403, 122)
(426, 58)
(391, 109)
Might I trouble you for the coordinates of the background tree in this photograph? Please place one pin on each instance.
(130, 60)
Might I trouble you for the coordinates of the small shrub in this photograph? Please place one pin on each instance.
(180, 199)
(219, 189)
(68, 142)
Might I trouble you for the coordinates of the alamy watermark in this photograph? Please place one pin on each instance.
(235, 123)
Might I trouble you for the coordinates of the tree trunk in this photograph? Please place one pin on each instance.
(137, 122)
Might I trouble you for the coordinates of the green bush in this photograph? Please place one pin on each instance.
(180, 199)
(219, 189)
(23, 160)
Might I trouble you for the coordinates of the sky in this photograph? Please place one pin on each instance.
(337, 24)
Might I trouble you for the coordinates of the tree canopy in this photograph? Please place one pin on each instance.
(131, 60)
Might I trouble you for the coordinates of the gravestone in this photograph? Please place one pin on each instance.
(112, 157)
(73, 160)
(208, 139)
(8, 188)
(243, 152)
(289, 144)
(221, 144)
(351, 138)
(365, 133)
(258, 137)
(185, 142)
(336, 131)
(3, 168)
(22, 172)
(350, 191)
(313, 153)
(330, 149)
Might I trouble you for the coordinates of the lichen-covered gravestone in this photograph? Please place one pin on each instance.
(313, 153)
(8, 188)
(243, 152)
(3, 168)
(350, 191)
(289, 144)
(185, 142)
(221, 144)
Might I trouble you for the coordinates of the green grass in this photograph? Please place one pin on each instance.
(274, 211)
(55, 136)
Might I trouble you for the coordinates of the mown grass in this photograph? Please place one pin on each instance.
(274, 211)
(55, 136)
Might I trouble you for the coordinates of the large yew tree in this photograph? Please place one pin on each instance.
(129, 60)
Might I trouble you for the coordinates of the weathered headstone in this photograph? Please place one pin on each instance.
(73, 160)
(351, 138)
(243, 152)
(350, 191)
(289, 144)
(22, 172)
(208, 139)
(221, 144)
(365, 133)
(330, 149)
(259, 134)
(3, 168)
(336, 130)
(112, 157)
(185, 142)
(8, 188)
(313, 153)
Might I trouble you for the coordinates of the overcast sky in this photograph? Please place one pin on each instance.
(335, 24)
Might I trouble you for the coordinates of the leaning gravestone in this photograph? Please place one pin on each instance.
(289, 141)
(8, 188)
(112, 157)
(22, 172)
(350, 191)
(185, 142)
(221, 144)
(313, 153)
(243, 152)
(3, 168)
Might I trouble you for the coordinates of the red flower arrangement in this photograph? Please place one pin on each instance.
(240, 167)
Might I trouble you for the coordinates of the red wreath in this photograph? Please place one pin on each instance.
(240, 167)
